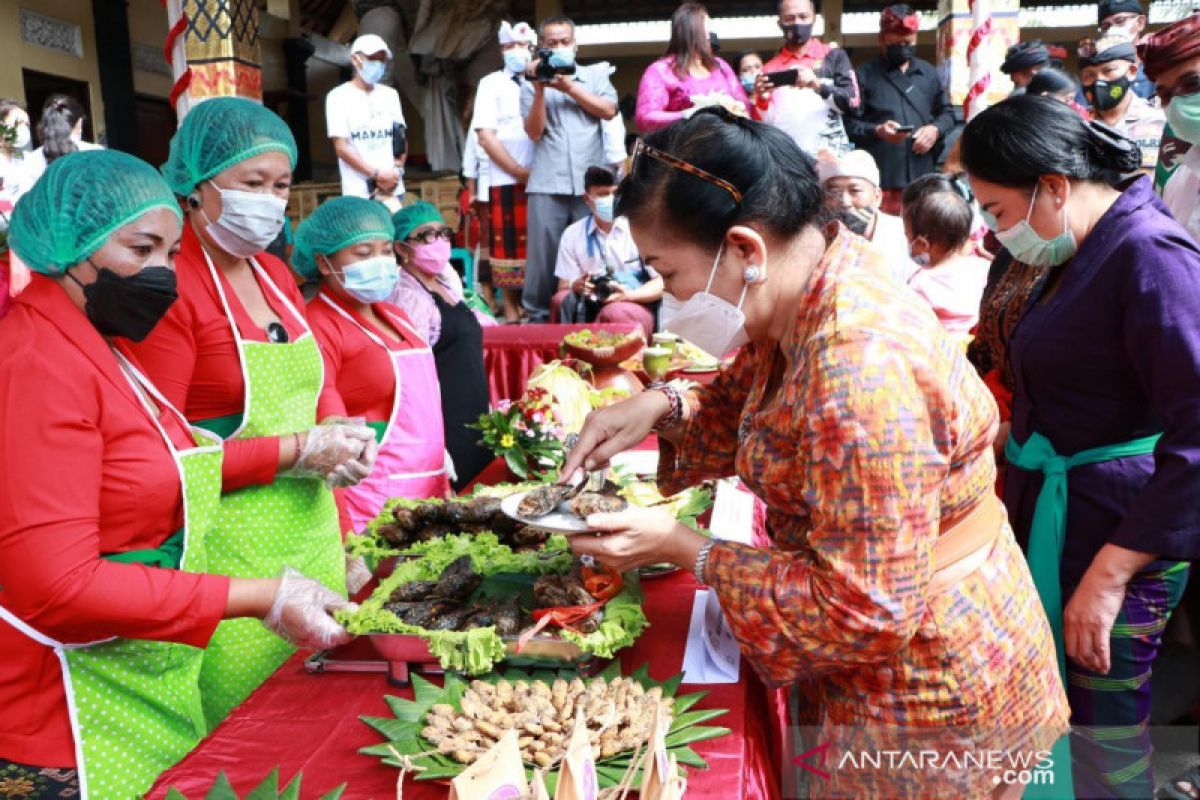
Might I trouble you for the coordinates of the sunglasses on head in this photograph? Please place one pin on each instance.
(640, 148)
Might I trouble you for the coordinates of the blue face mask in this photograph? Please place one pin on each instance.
(1028, 247)
(748, 85)
(562, 56)
(371, 280)
(372, 71)
(516, 60)
(604, 207)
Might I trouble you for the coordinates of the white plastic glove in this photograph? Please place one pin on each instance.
(327, 447)
(302, 613)
(358, 574)
(353, 472)
(448, 465)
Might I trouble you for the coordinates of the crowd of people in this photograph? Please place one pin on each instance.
(963, 376)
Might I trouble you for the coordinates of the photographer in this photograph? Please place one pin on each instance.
(563, 106)
(601, 277)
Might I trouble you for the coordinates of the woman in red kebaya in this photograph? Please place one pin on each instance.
(107, 503)
(382, 369)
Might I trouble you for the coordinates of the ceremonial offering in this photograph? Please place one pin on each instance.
(444, 729)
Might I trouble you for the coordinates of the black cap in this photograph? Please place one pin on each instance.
(1024, 55)
(1106, 8)
(1109, 48)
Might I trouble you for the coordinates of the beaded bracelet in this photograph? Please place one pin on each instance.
(702, 560)
(674, 414)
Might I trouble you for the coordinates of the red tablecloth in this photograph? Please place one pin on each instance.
(512, 352)
(303, 722)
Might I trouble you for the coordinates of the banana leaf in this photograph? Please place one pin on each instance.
(402, 731)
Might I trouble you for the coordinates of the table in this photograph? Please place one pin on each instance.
(303, 722)
(512, 352)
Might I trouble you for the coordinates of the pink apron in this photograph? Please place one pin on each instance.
(411, 460)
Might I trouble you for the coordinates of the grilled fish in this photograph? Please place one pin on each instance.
(541, 501)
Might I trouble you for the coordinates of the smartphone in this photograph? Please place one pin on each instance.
(784, 77)
(905, 128)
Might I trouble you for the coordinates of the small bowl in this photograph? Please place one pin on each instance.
(609, 356)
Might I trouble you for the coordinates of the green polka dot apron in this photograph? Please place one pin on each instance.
(135, 704)
(292, 522)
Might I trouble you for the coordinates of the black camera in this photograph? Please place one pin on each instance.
(602, 288)
(544, 72)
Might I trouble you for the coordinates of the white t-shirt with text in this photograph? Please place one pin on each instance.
(366, 119)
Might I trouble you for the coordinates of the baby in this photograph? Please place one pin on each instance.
(937, 222)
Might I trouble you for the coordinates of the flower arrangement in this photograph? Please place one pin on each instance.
(527, 434)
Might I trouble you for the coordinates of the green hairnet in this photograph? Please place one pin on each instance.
(409, 218)
(78, 202)
(337, 223)
(219, 133)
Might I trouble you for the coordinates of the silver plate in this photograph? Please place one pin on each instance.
(560, 520)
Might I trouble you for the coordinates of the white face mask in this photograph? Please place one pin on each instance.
(22, 140)
(714, 325)
(248, 222)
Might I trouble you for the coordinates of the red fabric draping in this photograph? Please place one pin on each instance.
(310, 723)
(512, 352)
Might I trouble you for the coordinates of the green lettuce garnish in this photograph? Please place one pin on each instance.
(478, 650)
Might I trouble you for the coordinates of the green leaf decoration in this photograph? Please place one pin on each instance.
(268, 789)
(222, 789)
(403, 731)
(682, 704)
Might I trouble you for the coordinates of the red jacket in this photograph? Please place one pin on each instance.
(85, 472)
(192, 358)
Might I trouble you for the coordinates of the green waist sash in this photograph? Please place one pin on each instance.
(168, 555)
(1049, 528)
(1046, 537)
(221, 426)
(225, 426)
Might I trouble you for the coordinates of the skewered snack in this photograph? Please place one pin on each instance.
(541, 501)
(618, 715)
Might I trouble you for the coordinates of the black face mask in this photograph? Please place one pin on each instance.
(858, 220)
(1107, 95)
(797, 32)
(128, 306)
(897, 54)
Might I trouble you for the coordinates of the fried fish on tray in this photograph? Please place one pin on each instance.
(590, 503)
(408, 592)
(457, 580)
(541, 501)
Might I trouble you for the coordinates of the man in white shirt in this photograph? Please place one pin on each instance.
(850, 184)
(501, 130)
(601, 277)
(363, 119)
